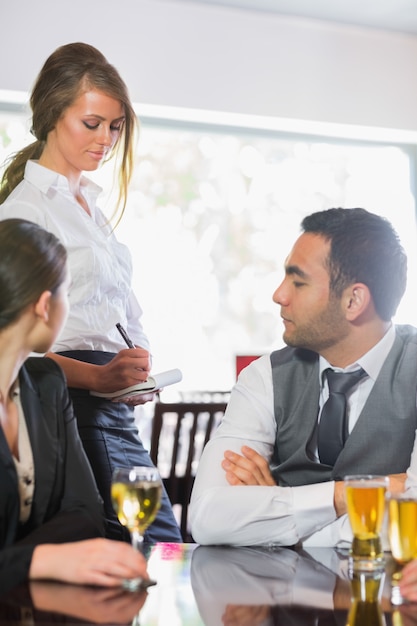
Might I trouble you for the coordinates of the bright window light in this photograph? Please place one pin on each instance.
(212, 213)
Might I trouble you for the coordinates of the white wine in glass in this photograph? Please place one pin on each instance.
(136, 495)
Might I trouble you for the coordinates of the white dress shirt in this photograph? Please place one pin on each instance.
(100, 267)
(254, 515)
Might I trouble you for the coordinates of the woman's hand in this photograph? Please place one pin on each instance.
(91, 562)
(128, 367)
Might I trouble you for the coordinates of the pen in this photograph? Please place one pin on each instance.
(125, 336)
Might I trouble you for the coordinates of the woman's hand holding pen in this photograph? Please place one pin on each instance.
(121, 372)
(128, 367)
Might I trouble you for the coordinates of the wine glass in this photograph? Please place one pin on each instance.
(402, 530)
(136, 495)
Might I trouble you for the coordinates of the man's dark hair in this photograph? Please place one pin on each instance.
(364, 248)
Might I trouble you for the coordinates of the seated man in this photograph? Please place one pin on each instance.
(344, 279)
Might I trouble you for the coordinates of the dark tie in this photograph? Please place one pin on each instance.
(333, 426)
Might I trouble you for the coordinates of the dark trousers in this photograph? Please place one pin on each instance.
(111, 439)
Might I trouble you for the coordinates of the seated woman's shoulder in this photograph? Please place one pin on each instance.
(40, 366)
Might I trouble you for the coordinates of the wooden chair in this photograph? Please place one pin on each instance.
(196, 395)
(180, 431)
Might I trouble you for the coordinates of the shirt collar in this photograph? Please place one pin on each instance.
(44, 179)
(372, 361)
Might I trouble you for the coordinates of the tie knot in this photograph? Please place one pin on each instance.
(341, 382)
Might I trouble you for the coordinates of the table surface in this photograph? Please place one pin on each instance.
(214, 586)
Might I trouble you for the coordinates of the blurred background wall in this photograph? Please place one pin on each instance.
(210, 57)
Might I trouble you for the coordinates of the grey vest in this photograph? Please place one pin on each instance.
(381, 441)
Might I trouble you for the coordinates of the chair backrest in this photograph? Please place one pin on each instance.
(196, 395)
(180, 430)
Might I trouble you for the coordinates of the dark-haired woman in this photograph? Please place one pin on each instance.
(51, 515)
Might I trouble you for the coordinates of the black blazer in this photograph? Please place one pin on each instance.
(66, 504)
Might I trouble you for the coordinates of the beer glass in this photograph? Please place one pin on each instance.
(402, 533)
(365, 496)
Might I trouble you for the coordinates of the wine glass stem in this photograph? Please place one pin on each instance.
(137, 540)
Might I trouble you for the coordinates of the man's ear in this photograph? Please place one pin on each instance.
(42, 306)
(356, 299)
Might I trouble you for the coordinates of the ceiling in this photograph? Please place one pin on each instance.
(394, 15)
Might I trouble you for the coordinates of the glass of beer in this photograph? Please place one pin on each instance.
(402, 532)
(365, 496)
(136, 496)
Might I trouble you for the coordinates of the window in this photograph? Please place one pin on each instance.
(211, 216)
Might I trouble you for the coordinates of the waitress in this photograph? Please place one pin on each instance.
(82, 116)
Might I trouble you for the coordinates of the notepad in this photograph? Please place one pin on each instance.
(154, 383)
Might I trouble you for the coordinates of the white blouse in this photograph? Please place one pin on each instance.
(101, 267)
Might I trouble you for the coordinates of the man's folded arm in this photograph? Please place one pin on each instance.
(256, 515)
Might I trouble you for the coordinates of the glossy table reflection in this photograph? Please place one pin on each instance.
(215, 586)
